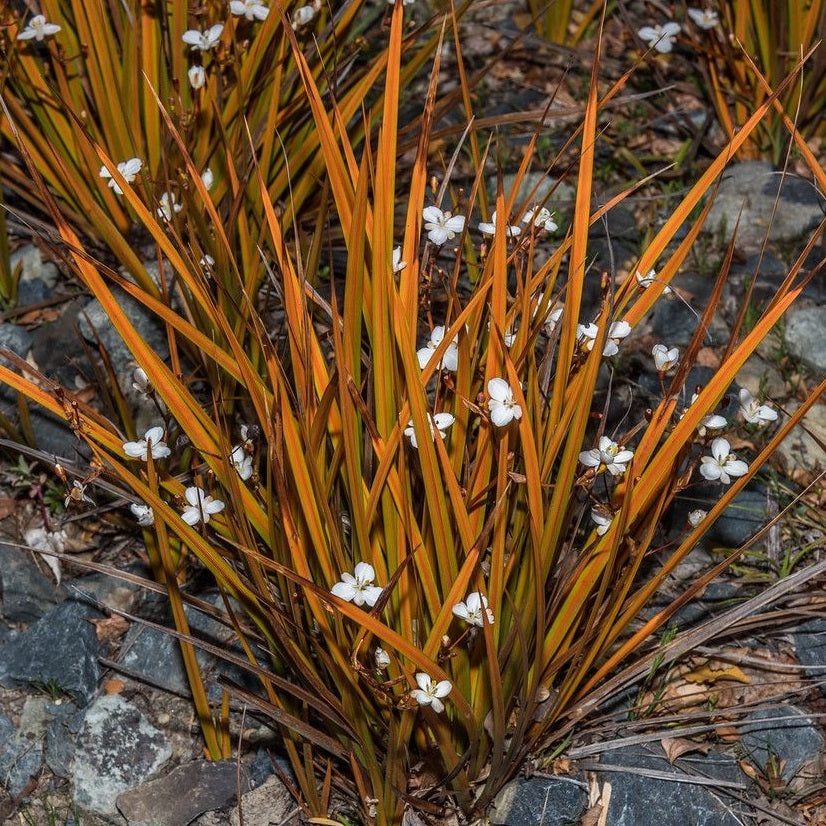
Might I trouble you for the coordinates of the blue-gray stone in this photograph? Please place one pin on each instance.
(25, 593)
(20, 757)
(805, 336)
(544, 801)
(810, 646)
(59, 651)
(781, 736)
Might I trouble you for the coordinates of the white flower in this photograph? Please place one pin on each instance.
(616, 332)
(37, 28)
(129, 169)
(660, 37)
(152, 442)
(704, 18)
(359, 588)
(712, 422)
(429, 693)
(143, 513)
(722, 464)
(645, 281)
(608, 456)
(398, 264)
(508, 336)
(553, 318)
(404, 2)
(241, 461)
(490, 229)
(474, 610)
(168, 206)
(204, 40)
(664, 359)
(502, 405)
(251, 9)
(141, 383)
(696, 516)
(200, 506)
(586, 335)
(541, 218)
(602, 520)
(302, 16)
(197, 76)
(450, 361)
(441, 226)
(207, 178)
(381, 658)
(753, 412)
(439, 423)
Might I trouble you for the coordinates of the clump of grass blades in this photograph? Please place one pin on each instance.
(481, 610)
(748, 53)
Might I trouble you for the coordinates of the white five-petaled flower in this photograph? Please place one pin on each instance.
(541, 218)
(302, 16)
(152, 442)
(204, 40)
(143, 513)
(141, 383)
(474, 610)
(381, 658)
(129, 169)
(753, 412)
(722, 464)
(661, 38)
(241, 461)
(552, 319)
(208, 179)
(645, 281)
(450, 360)
(608, 456)
(502, 405)
(168, 206)
(696, 516)
(490, 229)
(602, 520)
(38, 28)
(703, 18)
(398, 264)
(439, 423)
(197, 76)
(430, 693)
(664, 358)
(201, 506)
(251, 9)
(441, 226)
(358, 587)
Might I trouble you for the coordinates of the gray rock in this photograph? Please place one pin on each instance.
(749, 511)
(640, 799)
(33, 267)
(25, 593)
(32, 291)
(155, 657)
(61, 734)
(780, 736)
(557, 195)
(803, 448)
(16, 339)
(95, 327)
(159, 802)
(60, 649)
(674, 323)
(270, 803)
(748, 191)
(805, 336)
(545, 801)
(810, 646)
(20, 757)
(117, 749)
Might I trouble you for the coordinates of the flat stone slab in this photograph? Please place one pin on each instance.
(160, 802)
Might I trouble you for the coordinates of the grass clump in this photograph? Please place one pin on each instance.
(435, 543)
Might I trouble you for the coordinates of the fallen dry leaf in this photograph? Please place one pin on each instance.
(7, 506)
(675, 747)
(707, 673)
(114, 686)
(110, 629)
